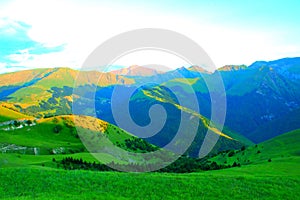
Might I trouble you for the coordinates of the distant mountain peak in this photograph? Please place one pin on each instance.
(181, 68)
(136, 70)
(232, 67)
(196, 68)
(280, 63)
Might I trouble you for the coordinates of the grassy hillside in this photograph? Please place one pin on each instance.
(31, 87)
(60, 133)
(43, 136)
(67, 77)
(22, 77)
(27, 143)
(281, 149)
(160, 94)
(7, 114)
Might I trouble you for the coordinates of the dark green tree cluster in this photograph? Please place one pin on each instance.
(139, 144)
(57, 128)
(231, 153)
(186, 165)
(17, 123)
(28, 122)
(70, 163)
(183, 165)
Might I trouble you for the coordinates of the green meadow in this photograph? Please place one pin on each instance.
(46, 183)
(36, 176)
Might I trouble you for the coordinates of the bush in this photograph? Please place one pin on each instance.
(55, 120)
(57, 128)
(231, 153)
(17, 123)
(236, 164)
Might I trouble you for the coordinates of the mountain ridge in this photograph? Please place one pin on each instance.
(255, 95)
(136, 70)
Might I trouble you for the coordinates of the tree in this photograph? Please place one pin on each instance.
(57, 128)
(231, 153)
(55, 120)
(235, 164)
(17, 123)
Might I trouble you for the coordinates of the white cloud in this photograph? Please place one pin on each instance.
(2, 65)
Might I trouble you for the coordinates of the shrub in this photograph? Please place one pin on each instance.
(231, 153)
(55, 120)
(17, 123)
(57, 128)
(236, 164)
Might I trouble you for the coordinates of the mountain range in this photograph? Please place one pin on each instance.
(263, 99)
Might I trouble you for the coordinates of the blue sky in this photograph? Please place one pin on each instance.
(63, 32)
(15, 43)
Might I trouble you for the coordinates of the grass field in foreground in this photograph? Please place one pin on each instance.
(23, 177)
(29, 183)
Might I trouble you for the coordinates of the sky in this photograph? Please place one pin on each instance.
(62, 33)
